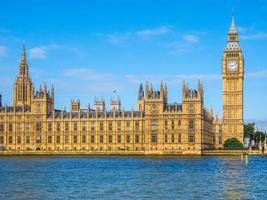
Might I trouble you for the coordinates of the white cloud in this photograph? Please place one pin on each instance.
(37, 53)
(88, 74)
(3, 50)
(257, 74)
(255, 36)
(118, 38)
(40, 52)
(191, 38)
(148, 33)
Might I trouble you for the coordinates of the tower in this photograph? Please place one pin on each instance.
(233, 77)
(23, 87)
(141, 101)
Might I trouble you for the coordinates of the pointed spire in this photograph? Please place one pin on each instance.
(23, 56)
(233, 27)
(45, 88)
(141, 92)
(23, 67)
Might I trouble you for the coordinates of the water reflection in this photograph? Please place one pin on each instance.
(132, 178)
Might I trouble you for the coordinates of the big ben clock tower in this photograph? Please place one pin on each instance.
(233, 77)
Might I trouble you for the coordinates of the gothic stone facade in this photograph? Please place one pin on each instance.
(32, 123)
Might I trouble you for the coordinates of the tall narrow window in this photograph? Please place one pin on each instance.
(119, 138)
(58, 139)
(27, 139)
(1, 139)
(191, 131)
(75, 139)
(101, 139)
(84, 139)
(136, 139)
(49, 139)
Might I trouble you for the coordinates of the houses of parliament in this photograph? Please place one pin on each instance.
(33, 124)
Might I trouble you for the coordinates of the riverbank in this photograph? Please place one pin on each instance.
(133, 153)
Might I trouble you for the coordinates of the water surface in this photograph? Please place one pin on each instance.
(132, 178)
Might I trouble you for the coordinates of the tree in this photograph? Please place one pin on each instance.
(249, 130)
(233, 144)
(259, 137)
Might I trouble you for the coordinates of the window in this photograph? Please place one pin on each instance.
(10, 127)
(173, 125)
(220, 139)
(191, 138)
(179, 138)
(173, 138)
(75, 139)
(49, 139)
(154, 138)
(19, 127)
(38, 108)
(136, 138)
(191, 131)
(154, 125)
(58, 139)
(1, 139)
(28, 127)
(83, 126)
(10, 139)
(75, 126)
(128, 138)
(179, 122)
(27, 139)
(101, 139)
(191, 108)
(19, 139)
(101, 126)
(166, 124)
(58, 127)
(49, 127)
(38, 126)
(66, 139)
(154, 108)
(137, 125)
(92, 126)
(92, 139)
(110, 138)
(128, 124)
(191, 124)
(84, 139)
(66, 126)
(119, 126)
(38, 139)
(110, 126)
(166, 138)
(119, 138)
(2, 127)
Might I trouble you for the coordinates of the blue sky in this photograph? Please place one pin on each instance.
(90, 48)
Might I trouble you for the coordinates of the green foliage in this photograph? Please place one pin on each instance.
(233, 144)
(259, 136)
(249, 130)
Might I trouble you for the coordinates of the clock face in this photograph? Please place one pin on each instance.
(232, 65)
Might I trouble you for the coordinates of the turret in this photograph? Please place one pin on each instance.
(75, 105)
(141, 92)
(99, 105)
(115, 104)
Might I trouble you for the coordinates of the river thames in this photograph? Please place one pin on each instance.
(133, 178)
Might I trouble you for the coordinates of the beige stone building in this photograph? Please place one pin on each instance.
(33, 124)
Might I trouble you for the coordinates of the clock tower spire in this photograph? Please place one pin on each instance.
(233, 78)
